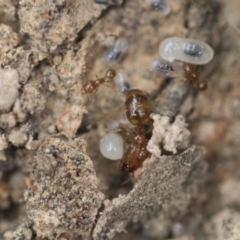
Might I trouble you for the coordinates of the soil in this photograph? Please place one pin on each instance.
(54, 182)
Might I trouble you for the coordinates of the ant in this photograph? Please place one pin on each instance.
(92, 86)
(183, 70)
(192, 75)
(138, 112)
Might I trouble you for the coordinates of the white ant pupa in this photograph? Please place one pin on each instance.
(160, 5)
(116, 52)
(187, 50)
(121, 83)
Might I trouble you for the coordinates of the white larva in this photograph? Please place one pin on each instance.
(116, 52)
(187, 50)
(111, 146)
(160, 5)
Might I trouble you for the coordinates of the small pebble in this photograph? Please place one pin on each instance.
(9, 86)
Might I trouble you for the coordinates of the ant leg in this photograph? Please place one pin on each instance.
(111, 88)
(125, 182)
(89, 97)
(82, 91)
(85, 98)
(122, 127)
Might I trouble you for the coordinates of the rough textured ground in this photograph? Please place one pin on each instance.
(54, 183)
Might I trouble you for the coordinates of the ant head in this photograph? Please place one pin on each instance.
(189, 68)
(110, 74)
(202, 85)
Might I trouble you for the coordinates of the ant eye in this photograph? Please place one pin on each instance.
(186, 50)
(160, 5)
(111, 146)
(116, 52)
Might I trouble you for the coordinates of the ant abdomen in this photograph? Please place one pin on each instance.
(137, 108)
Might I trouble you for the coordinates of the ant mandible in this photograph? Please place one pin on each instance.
(138, 112)
(92, 86)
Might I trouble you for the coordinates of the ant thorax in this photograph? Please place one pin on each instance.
(89, 87)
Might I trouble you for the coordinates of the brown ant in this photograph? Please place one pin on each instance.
(191, 72)
(92, 86)
(187, 71)
(138, 112)
(136, 153)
